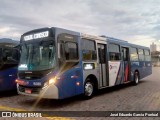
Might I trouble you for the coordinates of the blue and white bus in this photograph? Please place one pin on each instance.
(57, 63)
(9, 59)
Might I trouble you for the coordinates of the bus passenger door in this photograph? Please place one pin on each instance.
(125, 63)
(102, 65)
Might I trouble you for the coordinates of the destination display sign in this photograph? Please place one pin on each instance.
(36, 35)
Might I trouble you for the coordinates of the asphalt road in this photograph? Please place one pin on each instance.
(143, 97)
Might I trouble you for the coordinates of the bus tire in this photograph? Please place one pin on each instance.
(136, 78)
(88, 89)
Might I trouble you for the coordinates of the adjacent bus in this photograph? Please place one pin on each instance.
(57, 63)
(9, 58)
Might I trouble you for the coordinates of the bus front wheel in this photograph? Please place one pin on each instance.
(88, 89)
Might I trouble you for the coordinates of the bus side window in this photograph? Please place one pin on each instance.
(133, 54)
(147, 55)
(11, 56)
(114, 52)
(6, 54)
(88, 50)
(141, 54)
(71, 51)
(67, 47)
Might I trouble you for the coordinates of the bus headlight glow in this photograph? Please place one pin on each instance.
(52, 81)
(49, 82)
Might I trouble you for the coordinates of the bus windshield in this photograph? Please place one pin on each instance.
(37, 56)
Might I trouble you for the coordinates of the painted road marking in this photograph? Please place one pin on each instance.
(10, 109)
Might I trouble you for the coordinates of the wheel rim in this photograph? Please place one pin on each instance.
(136, 78)
(88, 89)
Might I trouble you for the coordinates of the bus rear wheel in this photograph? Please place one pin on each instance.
(88, 90)
(136, 78)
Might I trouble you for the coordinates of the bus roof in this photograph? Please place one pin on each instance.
(88, 36)
(112, 40)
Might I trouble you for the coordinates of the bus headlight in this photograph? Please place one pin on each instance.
(52, 81)
(49, 82)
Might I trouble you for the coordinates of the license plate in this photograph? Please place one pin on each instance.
(28, 91)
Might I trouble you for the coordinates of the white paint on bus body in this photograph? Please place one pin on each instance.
(113, 72)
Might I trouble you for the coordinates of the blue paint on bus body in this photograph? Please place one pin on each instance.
(7, 79)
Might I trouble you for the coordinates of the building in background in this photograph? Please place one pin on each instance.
(153, 47)
(155, 55)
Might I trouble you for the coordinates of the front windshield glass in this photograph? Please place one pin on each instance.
(37, 56)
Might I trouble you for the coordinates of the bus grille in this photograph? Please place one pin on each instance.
(35, 90)
(29, 76)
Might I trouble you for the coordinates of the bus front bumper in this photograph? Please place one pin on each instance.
(50, 92)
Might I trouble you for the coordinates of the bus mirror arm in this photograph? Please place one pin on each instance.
(59, 56)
